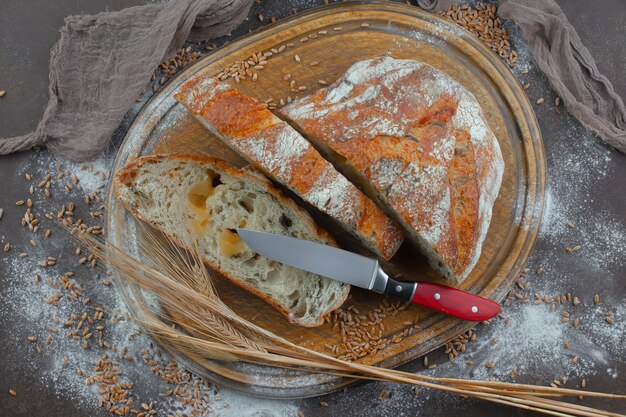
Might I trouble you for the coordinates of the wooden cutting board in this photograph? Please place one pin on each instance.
(326, 41)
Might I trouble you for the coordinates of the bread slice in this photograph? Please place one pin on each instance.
(202, 199)
(278, 151)
(417, 143)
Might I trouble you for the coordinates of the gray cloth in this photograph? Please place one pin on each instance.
(103, 62)
(570, 68)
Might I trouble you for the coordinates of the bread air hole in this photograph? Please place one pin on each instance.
(215, 178)
(247, 204)
(285, 221)
(294, 297)
(273, 275)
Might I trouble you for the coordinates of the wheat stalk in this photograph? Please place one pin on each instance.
(213, 331)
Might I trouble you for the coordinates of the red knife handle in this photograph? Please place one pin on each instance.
(452, 301)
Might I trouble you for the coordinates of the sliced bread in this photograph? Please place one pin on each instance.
(417, 143)
(281, 153)
(201, 199)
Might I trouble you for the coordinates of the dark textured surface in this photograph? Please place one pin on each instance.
(29, 28)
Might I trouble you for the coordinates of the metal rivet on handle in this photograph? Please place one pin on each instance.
(474, 309)
(437, 296)
(398, 288)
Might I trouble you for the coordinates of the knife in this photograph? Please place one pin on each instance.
(364, 272)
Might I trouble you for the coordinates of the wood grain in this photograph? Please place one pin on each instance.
(402, 32)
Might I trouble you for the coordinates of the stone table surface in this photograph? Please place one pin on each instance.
(586, 186)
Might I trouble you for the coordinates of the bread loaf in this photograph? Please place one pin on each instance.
(200, 199)
(277, 150)
(416, 142)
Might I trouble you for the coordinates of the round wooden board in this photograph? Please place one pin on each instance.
(337, 37)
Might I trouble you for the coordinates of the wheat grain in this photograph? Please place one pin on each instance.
(484, 23)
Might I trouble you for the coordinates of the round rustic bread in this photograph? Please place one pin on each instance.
(417, 143)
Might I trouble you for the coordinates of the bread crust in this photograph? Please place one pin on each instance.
(419, 140)
(279, 151)
(127, 173)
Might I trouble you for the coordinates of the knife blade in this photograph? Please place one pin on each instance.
(361, 271)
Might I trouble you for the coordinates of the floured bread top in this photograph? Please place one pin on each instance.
(419, 139)
(283, 154)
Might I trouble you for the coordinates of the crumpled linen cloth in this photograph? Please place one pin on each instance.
(588, 95)
(102, 63)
